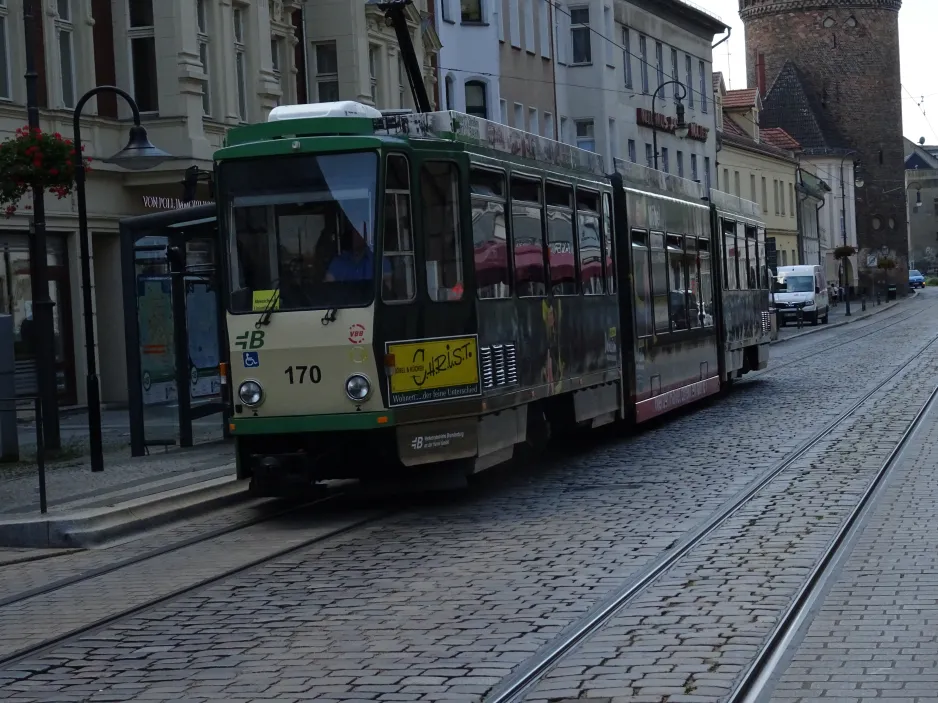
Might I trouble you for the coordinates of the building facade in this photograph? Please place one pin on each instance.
(526, 57)
(195, 68)
(921, 186)
(469, 57)
(833, 44)
(606, 89)
(752, 168)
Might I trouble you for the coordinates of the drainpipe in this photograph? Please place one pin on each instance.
(729, 31)
(553, 70)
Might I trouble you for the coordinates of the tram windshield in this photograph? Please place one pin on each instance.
(301, 231)
(794, 284)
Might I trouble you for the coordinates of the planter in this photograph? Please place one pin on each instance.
(36, 159)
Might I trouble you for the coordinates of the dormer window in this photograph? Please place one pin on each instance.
(851, 22)
(829, 22)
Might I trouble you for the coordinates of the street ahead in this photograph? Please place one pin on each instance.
(657, 567)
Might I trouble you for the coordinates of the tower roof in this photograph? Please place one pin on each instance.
(790, 105)
(749, 9)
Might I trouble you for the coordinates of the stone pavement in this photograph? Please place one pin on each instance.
(838, 316)
(442, 602)
(874, 636)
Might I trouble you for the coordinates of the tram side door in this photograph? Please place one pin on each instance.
(427, 286)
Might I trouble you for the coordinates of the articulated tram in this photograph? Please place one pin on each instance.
(432, 291)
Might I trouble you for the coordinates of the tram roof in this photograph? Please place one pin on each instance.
(349, 119)
(727, 202)
(648, 179)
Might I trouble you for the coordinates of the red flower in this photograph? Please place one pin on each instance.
(53, 172)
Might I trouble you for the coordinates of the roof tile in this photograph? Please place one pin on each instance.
(740, 98)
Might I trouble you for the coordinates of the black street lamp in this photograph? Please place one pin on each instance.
(843, 226)
(138, 155)
(681, 129)
(44, 334)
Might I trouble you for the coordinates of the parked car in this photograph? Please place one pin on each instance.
(916, 279)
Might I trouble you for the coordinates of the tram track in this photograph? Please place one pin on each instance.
(18, 600)
(517, 686)
(877, 323)
(757, 678)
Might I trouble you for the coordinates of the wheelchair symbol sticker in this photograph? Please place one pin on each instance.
(250, 360)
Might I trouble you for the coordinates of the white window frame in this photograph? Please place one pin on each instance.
(689, 79)
(241, 58)
(581, 27)
(609, 27)
(401, 83)
(543, 17)
(503, 110)
(633, 151)
(483, 14)
(134, 33)
(518, 116)
(325, 77)
(203, 33)
(514, 23)
(643, 53)
(582, 139)
(533, 121)
(704, 95)
(549, 126)
(66, 26)
(627, 56)
(529, 42)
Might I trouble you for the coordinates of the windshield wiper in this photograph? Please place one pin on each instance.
(264, 319)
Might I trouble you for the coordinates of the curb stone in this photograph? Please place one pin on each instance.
(89, 528)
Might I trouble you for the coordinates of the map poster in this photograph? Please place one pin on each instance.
(155, 320)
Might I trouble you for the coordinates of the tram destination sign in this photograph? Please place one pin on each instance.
(429, 370)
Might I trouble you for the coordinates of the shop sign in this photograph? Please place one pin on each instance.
(666, 123)
(154, 202)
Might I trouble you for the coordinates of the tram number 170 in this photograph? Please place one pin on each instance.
(303, 374)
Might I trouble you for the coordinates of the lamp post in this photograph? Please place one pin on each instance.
(138, 155)
(44, 336)
(843, 226)
(681, 129)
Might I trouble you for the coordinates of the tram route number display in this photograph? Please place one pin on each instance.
(303, 374)
(428, 370)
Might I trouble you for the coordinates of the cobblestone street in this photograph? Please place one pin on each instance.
(458, 600)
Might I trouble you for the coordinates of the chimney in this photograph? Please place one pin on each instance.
(760, 74)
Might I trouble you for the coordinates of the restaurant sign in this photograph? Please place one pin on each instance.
(154, 202)
(666, 123)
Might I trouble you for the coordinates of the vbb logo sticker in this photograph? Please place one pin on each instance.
(356, 333)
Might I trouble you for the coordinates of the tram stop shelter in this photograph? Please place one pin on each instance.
(175, 327)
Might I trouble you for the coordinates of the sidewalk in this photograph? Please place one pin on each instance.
(838, 317)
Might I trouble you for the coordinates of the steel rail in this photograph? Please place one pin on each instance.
(518, 684)
(756, 679)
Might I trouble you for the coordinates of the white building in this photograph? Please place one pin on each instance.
(469, 57)
(605, 89)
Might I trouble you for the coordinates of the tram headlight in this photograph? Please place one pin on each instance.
(251, 393)
(357, 388)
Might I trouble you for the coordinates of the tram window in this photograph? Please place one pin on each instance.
(659, 282)
(763, 272)
(488, 183)
(561, 251)
(752, 258)
(528, 237)
(730, 256)
(693, 282)
(608, 246)
(644, 326)
(398, 282)
(590, 240)
(706, 282)
(439, 186)
(677, 274)
(490, 234)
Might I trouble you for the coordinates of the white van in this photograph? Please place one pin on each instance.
(795, 285)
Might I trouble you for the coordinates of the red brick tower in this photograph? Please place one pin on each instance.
(847, 54)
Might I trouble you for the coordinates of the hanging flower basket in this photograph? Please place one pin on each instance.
(844, 252)
(33, 158)
(886, 264)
